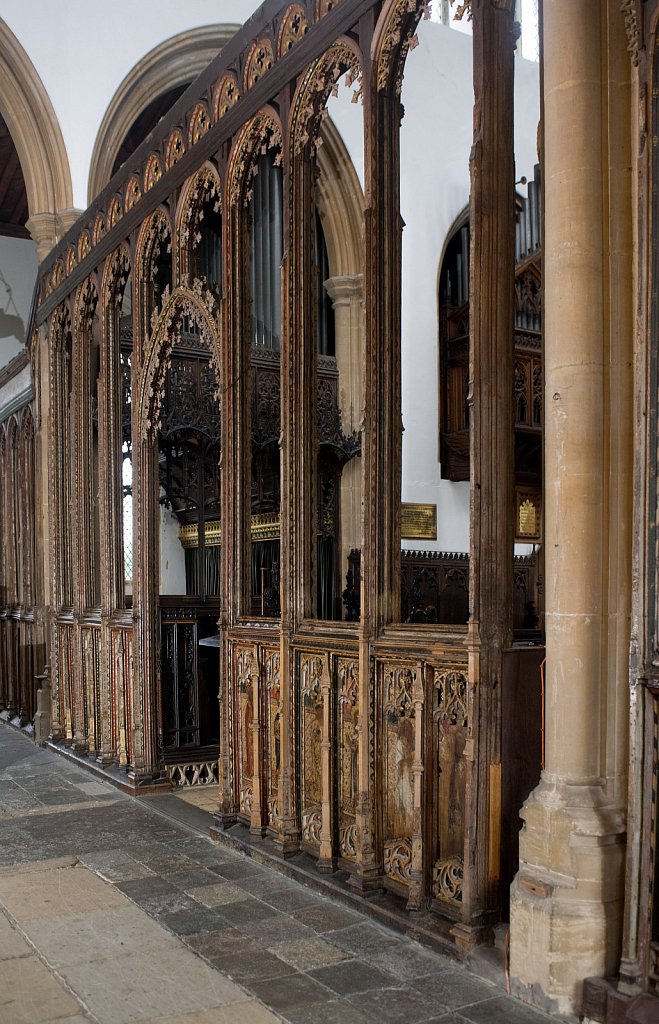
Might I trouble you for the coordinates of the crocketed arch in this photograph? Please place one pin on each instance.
(173, 63)
(393, 35)
(35, 131)
(314, 88)
(198, 305)
(156, 231)
(263, 130)
(203, 186)
(115, 274)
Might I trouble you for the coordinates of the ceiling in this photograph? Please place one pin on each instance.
(13, 197)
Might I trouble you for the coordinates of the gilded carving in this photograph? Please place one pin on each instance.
(84, 245)
(319, 82)
(447, 880)
(273, 727)
(70, 260)
(633, 26)
(174, 149)
(259, 135)
(311, 727)
(323, 7)
(203, 188)
(115, 211)
(398, 860)
(398, 37)
(259, 60)
(153, 172)
(99, 229)
(294, 27)
(133, 193)
(200, 122)
(225, 95)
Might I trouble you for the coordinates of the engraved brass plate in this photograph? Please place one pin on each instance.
(528, 518)
(418, 522)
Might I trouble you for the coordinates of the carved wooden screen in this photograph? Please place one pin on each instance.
(311, 725)
(398, 731)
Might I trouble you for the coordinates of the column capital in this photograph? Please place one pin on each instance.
(343, 288)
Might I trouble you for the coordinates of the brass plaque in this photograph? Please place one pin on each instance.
(418, 522)
(528, 518)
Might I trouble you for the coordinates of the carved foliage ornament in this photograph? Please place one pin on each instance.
(323, 7)
(633, 23)
(116, 276)
(398, 37)
(321, 81)
(198, 304)
(259, 136)
(133, 193)
(204, 188)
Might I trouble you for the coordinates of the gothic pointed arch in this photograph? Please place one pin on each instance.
(196, 303)
(167, 69)
(263, 132)
(393, 38)
(314, 89)
(202, 190)
(36, 133)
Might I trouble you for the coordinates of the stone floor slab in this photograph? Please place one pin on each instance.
(29, 994)
(12, 944)
(97, 935)
(56, 893)
(151, 985)
(305, 954)
(247, 1012)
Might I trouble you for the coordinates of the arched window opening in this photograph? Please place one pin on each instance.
(208, 250)
(325, 306)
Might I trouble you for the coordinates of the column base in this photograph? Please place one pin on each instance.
(567, 899)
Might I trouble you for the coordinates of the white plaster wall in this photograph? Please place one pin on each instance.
(83, 49)
(18, 274)
(436, 137)
(172, 555)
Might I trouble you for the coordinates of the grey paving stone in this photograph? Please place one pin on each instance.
(332, 1012)
(192, 921)
(408, 961)
(326, 917)
(237, 868)
(296, 991)
(248, 910)
(151, 885)
(352, 976)
(292, 899)
(306, 954)
(270, 932)
(393, 1005)
(364, 938)
(453, 987)
(167, 903)
(502, 1010)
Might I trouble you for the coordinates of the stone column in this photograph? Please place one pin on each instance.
(567, 898)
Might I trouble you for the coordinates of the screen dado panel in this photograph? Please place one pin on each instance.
(116, 731)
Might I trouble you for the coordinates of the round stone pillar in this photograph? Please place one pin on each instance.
(566, 901)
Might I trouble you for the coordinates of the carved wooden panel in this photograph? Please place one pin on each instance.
(311, 727)
(244, 667)
(347, 754)
(397, 760)
(91, 655)
(449, 724)
(271, 661)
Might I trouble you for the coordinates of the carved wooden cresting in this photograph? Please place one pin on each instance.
(194, 375)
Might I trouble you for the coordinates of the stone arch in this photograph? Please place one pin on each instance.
(341, 204)
(35, 130)
(174, 62)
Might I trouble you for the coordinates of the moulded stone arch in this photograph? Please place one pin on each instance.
(341, 204)
(36, 133)
(199, 305)
(172, 63)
